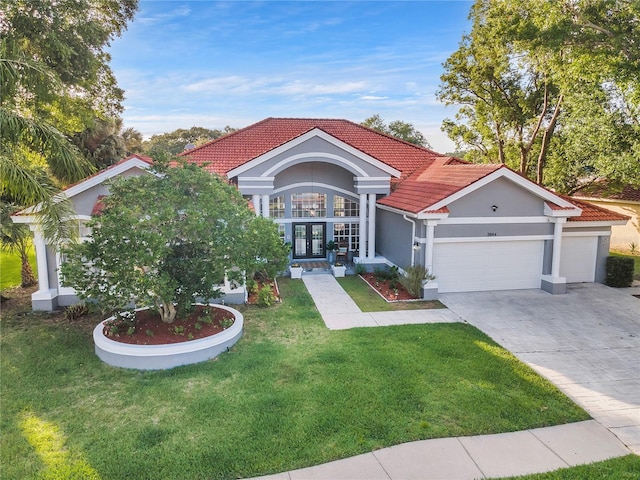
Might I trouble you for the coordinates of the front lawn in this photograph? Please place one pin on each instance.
(290, 394)
(10, 266)
(368, 300)
(621, 468)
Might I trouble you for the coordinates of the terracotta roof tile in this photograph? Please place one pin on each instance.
(226, 153)
(594, 213)
(435, 182)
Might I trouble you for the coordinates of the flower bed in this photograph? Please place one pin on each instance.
(168, 355)
(385, 288)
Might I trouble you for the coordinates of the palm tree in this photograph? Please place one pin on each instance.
(16, 238)
(36, 159)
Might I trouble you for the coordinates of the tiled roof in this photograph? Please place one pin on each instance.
(144, 158)
(98, 207)
(594, 213)
(426, 177)
(237, 148)
(434, 182)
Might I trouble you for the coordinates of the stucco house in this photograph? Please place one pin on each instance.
(625, 201)
(475, 227)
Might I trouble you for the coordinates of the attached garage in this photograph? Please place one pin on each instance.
(578, 258)
(488, 265)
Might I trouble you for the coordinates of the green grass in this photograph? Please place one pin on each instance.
(622, 468)
(10, 266)
(636, 262)
(290, 394)
(369, 301)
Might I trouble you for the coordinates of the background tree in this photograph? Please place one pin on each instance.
(175, 142)
(165, 253)
(533, 78)
(399, 129)
(54, 78)
(101, 143)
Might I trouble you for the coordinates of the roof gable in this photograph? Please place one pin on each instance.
(122, 166)
(305, 137)
(446, 180)
(230, 152)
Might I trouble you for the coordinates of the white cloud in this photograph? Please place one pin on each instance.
(149, 20)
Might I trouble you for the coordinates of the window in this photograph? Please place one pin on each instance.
(347, 232)
(281, 231)
(345, 207)
(276, 207)
(308, 205)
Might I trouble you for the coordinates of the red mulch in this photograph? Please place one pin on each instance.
(181, 330)
(385, 290)
(252, 298)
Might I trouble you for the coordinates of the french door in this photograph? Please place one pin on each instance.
(309, 240)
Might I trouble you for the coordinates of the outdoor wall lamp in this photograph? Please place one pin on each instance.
(494, 207)
(416, 246)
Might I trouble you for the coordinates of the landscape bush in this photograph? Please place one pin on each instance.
(619, 271)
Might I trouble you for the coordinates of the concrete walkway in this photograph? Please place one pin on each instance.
(461, 458)
(340, 312)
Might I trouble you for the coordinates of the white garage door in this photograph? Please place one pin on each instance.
(495, 265)
(578, 259)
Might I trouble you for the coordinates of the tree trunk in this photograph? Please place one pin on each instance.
(26, 273)
(167, 311)
(546, 139)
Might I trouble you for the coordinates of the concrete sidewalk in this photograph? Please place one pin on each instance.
(467, 458)
(461, 458)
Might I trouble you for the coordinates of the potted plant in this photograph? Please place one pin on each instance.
(331, 251)
(296, 270)
(338, 269)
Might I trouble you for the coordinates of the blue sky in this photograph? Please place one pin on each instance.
(235, 62)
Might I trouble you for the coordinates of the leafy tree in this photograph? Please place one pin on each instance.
(399, 129)
(70, 38)
(533, 78)
(54, 77)
(175, 142)
(101, 143)
(167, 253)
(132, 140)
(35, 157)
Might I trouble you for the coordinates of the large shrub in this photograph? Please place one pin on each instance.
(165, 238)
(619, 271)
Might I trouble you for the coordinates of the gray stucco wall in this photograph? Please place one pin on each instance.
(604, 243)
(493, 229)
(318, 147)
(393, 237)
(315, 173)
(511, 200)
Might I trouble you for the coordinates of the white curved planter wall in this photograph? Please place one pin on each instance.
(162, 357)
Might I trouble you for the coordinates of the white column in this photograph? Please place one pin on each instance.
(557, 246)
(431, 226)
(41, 259)
(265, 206)
(371, 251)
(362, 249)
(256, 204)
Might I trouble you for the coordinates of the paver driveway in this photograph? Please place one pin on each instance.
(587, 342)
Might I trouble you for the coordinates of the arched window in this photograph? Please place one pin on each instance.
(308, 205)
